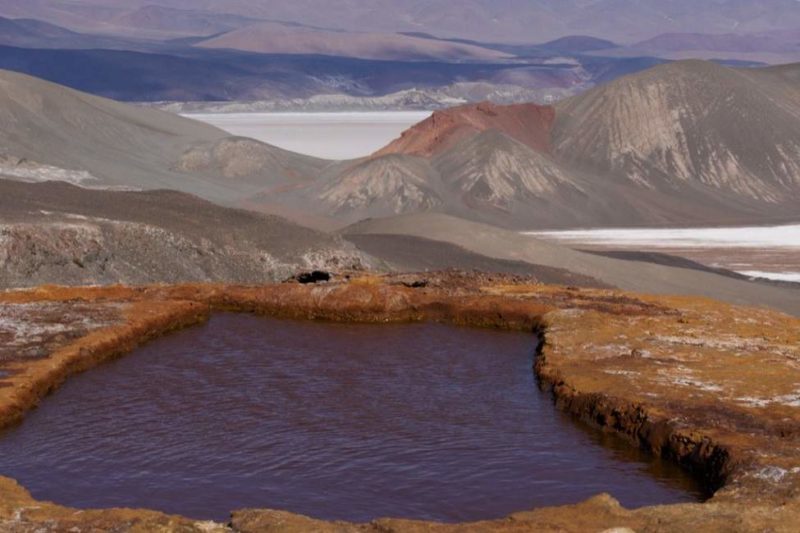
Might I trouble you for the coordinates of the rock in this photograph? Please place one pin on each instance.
(315, 276)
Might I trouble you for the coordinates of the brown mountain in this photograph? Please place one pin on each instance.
(530, 124)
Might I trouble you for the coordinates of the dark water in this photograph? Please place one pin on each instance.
(334, 421)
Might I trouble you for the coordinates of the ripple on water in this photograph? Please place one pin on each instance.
(334, 421)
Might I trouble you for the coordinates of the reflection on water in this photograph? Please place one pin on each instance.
(334, 421)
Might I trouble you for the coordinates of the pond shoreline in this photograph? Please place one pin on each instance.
(598, 359)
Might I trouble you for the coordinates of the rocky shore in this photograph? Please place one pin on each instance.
(711, 386)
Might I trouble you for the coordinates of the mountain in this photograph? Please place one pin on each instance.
(77, 16)
(775, 41)
(148, 20)
(494, 171)
(690, 129)
(274, 38)
(613, 155)
(155, 20)
(482, 162)
(685, 143)
(529, 124)
(200, 74)
(27, 32)
(51, 124)
(52, 131)
(578, 43)
(509, 21)
(772, 47)
(30, 33)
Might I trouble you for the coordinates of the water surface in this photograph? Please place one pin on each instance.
(334, 421)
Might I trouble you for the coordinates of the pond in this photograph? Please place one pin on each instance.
(334, 421)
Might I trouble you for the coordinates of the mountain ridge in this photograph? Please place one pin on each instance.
(615, 155)
(686, 142)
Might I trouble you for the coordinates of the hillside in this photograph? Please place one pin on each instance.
(685, 143)
(36, 34)
(529, 124)
(499, 244)
(51, 124)
(192, 74)
(772, 47)
(690, 128)
(155, 20)
(52, 131)
(26, 32)
(59, 233)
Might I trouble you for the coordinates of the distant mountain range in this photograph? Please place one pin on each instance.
(285, 56)
(235, 76)
(684, 143)
(509, 21)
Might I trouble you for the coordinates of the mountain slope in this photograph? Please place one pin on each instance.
(58, 126)
(688, 126)
(529, 124)
(117, 145)
(31, 33)
(379, 186)
(578, 43)
(203, 75)
(776, 41)
(488, 177)
(651, 278)
(164, 20)
(58, 233)
(685, 143)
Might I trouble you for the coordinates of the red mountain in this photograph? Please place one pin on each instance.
(529, 124)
